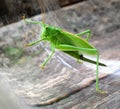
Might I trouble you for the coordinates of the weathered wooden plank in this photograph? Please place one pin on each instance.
(62, 74)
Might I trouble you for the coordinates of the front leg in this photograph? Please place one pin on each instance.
(49, 57)
(35, 42)
(30, 21)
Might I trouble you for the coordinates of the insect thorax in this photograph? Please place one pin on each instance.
(50, 32)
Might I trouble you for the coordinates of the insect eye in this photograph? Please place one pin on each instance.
(46, 28)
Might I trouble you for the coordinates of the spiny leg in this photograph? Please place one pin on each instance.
(88, 32)
(49, 57)
(73, 48)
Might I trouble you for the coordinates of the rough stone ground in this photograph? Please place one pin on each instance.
(62, 74)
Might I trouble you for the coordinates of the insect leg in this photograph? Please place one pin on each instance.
(49, 57)
(33, 22)
(73, 48)
(79, 61)
(88, 32)
(97, 74)
(35, 42)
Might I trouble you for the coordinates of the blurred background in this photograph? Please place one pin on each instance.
(102, 15)
(20, 65)
(14, 9)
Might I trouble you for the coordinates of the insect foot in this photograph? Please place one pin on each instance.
(101, 91)
(42, 67)
(23, 16)
(80, 62)
(27, 45)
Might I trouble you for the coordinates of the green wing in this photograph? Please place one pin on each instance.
(67, 38)
(71, 39)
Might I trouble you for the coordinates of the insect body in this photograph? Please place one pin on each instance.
(72, 44)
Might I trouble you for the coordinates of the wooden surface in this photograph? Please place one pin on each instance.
(63, 74)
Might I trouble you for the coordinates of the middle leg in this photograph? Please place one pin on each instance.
(88, 32)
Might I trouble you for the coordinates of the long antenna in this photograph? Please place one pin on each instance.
(42, 7)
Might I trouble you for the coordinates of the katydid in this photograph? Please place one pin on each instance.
(72, 44)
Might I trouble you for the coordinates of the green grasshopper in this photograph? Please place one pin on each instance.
(72, 44)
